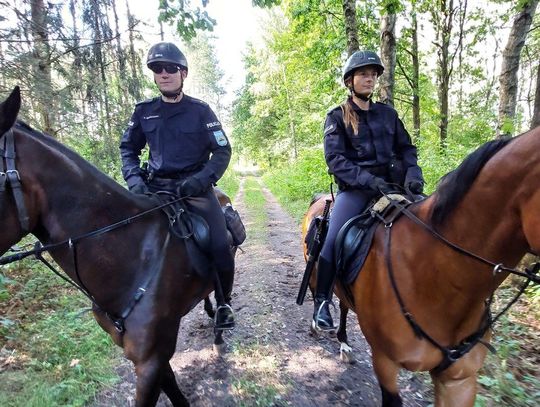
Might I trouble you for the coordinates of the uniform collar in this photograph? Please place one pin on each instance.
(357, 109)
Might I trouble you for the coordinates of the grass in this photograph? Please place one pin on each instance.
(53, 352)
(258, 383)
(255, 203)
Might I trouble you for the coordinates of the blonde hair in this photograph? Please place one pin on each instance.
(350, 118)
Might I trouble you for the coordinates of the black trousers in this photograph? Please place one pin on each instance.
(207, 206)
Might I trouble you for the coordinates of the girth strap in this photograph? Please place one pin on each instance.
(14, 180)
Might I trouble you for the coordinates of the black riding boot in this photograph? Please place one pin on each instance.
(322, 319)
(224, 314)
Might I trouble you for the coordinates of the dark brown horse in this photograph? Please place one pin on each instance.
(138, 275)
(421, 296)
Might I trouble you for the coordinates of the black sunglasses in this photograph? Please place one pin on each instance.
(169, 68)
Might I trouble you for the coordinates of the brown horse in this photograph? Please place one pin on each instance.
(138, 276)
(421, 297)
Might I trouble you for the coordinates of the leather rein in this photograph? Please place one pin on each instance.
(9, 177)
(451, 354)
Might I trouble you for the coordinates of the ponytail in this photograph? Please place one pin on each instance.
(350, 118)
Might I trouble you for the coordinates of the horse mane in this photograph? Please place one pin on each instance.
(54, 144)
(453, 186)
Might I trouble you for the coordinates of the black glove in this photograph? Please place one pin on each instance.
(140, 188)
(190, 187)
(416, 187)
(380, 185)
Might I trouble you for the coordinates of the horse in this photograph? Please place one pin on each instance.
(139, 278)
(422, 298)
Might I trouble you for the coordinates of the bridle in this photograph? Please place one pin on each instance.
(451, 353)
(9, 177)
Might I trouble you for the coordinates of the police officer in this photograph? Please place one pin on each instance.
(188, 152)
(360, 139)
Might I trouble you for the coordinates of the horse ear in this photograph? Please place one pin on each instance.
(9, 109)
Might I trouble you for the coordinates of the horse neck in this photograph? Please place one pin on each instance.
(66, 195)
(489, 220)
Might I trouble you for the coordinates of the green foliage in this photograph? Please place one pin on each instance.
(295, 184)
(60, 355)
(509, 377)
(186, 19)
(229, 183)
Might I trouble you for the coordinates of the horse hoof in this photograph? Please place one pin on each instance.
(346, 353)
(220, 349)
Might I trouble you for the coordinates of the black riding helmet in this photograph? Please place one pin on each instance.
(360, 59)
(166, 52)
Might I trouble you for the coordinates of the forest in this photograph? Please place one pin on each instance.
(458, 72)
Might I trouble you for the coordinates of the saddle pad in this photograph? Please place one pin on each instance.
(354, 239)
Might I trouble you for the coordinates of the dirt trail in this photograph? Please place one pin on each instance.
(272, 359)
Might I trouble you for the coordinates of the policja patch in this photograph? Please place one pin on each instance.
(220, 138)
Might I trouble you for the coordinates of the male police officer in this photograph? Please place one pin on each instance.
(188, 153)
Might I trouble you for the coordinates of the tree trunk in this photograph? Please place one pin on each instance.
(415, 76)
(388, 57)
(105, 119)
(133, 85)
(535, 121)
(351, 26)
(121, 59)
(42, 67)
(510, 65)
(443, 20)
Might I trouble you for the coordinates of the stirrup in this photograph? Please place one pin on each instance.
(315, 322)
(225, 325)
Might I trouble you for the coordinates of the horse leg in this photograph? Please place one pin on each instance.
(171, 389)
(454, 391)
(209, 308)
(219, 343)
(456, 386)
(387, 371)
(149, 380)
(345, 351)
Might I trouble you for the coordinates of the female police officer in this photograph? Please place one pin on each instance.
(188, 153)
(360, 139)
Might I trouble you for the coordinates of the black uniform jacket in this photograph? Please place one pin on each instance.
(184, 139)
(349, 157)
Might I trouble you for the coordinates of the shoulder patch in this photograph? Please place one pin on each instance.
(330, 128)
(221, 140)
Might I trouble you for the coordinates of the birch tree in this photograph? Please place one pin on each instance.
(508, 78)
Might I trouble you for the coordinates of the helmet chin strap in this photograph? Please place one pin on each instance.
(174, 94)
(359, 96)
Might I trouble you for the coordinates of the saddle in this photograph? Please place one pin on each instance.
(355, 237)
(190, 227)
